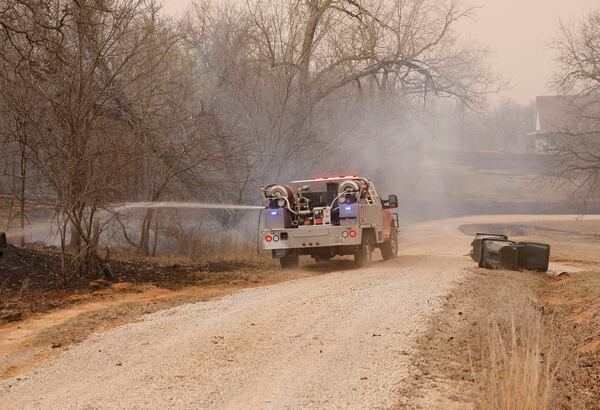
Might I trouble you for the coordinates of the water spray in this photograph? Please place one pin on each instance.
(194, 205)
(182, 205)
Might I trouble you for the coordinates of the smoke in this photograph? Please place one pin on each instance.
(441, 159)
(37, 232)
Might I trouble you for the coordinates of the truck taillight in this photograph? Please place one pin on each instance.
(353, 234)
(268, 238)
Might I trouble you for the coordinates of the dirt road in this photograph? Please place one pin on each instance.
(340, 340)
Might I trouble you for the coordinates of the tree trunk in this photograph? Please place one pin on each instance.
(75, 241)
(316, 13)
(144, 247)
(12, 196)
(23, 178)
(154, 246)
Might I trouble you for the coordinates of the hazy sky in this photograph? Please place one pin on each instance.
(517, 33)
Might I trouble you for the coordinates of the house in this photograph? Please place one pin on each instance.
(564, 118)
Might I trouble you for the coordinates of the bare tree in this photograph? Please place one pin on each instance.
(86, 63)
(16, 155)
(19, 110)
(578, 146)
(280, 65)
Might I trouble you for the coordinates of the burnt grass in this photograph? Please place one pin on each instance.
(526, 230)
(31, 280)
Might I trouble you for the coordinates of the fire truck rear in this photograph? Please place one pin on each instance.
(325, 217)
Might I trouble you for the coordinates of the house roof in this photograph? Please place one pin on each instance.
(565, 114)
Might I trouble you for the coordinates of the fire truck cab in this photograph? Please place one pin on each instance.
(325, 217)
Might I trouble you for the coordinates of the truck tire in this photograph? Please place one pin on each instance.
(289, 261)
(364, 255)
(389, 249)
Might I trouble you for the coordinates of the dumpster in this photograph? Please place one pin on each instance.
(478, 242)
(499, 254)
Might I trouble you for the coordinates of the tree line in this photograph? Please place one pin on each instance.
(110, 101)
(577, 54)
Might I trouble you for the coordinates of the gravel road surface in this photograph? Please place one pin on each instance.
(340, 340)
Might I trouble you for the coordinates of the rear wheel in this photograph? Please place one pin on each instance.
(389, 249)
(289, 261)
(364, 254)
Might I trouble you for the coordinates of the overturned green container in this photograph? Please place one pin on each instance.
(499, 254)
(534, 256)
(477, 244)
(509, 255)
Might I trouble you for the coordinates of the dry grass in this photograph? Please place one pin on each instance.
(493, 346)
(518, 358)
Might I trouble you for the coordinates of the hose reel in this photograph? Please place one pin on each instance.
(349, 186)
(279, 195)
(349, 192)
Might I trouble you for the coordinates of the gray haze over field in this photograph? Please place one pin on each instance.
(518, 33)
